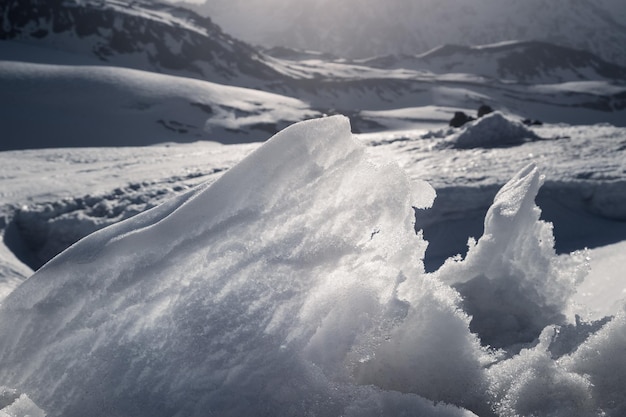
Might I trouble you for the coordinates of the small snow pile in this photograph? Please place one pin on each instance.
(491, 131)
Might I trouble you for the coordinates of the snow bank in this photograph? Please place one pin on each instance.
(38, 232)
(492, 130)
(294, 285)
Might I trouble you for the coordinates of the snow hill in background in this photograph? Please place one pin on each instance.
(365, 28)
(48, 106)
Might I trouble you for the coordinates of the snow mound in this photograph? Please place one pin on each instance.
(491, 131)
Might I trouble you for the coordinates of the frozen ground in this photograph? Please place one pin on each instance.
(344, 319)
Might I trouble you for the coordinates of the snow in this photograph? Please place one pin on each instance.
(123, 107)
(511, 280)
(411, 118)
(587, 87)
(21, 406)
(294, 283)
(492, 130)
(601, 294)
(435, 271)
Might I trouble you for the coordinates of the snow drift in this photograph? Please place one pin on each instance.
(492, 130)
(293, 285)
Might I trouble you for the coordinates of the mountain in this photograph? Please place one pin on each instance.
(517, 61)
(144, 35)
(568, 85)
(365, 28)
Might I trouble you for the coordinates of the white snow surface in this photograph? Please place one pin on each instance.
(294, 284)
(114, 106)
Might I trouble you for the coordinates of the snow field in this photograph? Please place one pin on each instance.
(295, 284)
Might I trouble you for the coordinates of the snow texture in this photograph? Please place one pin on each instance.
(294, 285)
(512, 282)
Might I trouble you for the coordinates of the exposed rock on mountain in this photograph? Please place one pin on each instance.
(139, 34)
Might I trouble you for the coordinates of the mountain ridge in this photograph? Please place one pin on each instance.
(153, 36)
(369, 28)
(160, 38)
(521, 61)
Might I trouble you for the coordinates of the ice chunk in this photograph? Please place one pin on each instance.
(512, 282)
(258, 294)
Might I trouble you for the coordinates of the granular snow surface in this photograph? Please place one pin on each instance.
(289, 279)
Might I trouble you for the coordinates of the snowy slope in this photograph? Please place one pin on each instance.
(526, 62)
(362, 29)
(270, 289)
(575, 87)
(144, 35)
(118, 106)
(57, 106)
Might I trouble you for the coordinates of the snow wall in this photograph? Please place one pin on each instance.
(294, 285)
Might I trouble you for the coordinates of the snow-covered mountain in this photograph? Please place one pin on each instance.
(529, 62)
(365, 28)
(102, 40)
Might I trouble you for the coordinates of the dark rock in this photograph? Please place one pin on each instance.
(532, 122)
(460, 119)
(483, 110)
